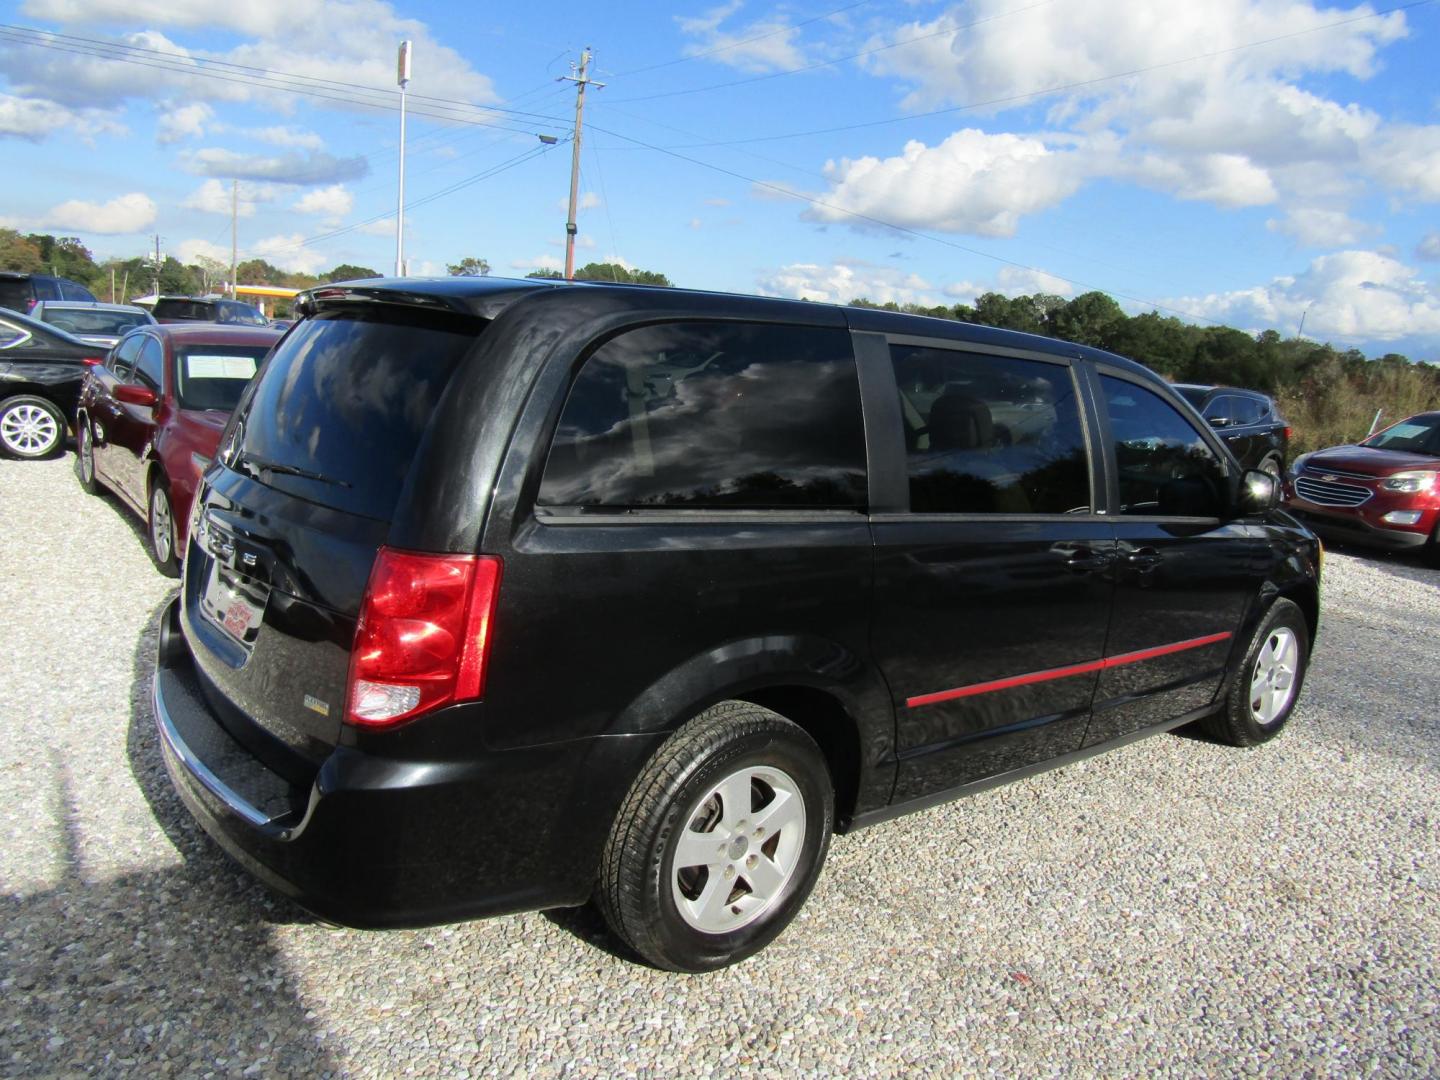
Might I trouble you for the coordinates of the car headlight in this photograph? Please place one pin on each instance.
(1410, 483)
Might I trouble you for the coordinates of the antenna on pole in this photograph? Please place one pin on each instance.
(402, 76)
(581, 81)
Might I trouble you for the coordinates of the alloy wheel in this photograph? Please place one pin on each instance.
(1272, 686)
(162, 533)
(29, 430)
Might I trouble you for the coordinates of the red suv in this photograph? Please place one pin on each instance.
(150, 416)
(1381, 493)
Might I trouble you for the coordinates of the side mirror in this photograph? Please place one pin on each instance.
(1259, 493)
(132, 394)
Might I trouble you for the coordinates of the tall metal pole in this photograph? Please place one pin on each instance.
(157, 264)
(234, 233)
(581, 81)
(402, 76)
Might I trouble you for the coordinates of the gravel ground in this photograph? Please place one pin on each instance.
(1174, 907)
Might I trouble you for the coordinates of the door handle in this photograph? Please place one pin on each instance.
(1089, 562)
(1145, 558)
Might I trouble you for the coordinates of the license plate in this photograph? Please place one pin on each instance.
(234, 602)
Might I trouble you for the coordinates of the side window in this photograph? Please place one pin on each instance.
(990, 434)
(712, 415)
(150, 368)
(70, 290)
(1219, 406)
(1165, 466)
(122, 360)
(11, 335)
(1248, 410)
(45, 288)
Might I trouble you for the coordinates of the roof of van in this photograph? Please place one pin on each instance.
(486, 297)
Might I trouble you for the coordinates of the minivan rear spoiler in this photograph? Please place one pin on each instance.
(484, 298)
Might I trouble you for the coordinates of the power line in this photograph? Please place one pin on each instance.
(1059, 88)
(903, 229)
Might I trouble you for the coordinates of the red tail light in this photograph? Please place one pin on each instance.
(92, 361)
(423, 636)
(1289, 431)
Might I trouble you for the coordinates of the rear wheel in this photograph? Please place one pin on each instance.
(1266, 687)
(162, 530)
(719, 841)
(1271, 467)
(30, 427)
(85, 458)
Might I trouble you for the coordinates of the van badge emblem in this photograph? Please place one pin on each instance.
(314, 704)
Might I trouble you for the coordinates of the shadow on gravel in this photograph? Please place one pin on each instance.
(158, 972)
(121, 509)
(155, 973)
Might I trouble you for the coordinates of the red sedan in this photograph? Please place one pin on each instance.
(150, 416)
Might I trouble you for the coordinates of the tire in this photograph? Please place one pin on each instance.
(1271, 466)
(1264, 691)
(685, 914)
(85, 458)
(160, 530)
(30, 427)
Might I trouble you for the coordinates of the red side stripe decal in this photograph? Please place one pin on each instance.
(1065, 672)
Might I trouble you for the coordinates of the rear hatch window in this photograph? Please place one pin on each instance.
(15, 294)
(337, 413)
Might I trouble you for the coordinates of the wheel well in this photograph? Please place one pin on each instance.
(1307, 599)
(825, 720)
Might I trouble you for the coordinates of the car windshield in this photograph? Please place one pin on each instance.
(109, 323)
(1418, 435)
(213, 376)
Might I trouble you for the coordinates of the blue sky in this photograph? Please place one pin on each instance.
(1251, 162)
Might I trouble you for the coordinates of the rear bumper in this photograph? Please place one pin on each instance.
(1355, 529)
(376, 842)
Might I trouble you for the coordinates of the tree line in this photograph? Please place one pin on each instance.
(1329, 395)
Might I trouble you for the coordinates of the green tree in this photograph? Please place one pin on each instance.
(258, 272)
(349, 272)
(20, 253)
(1091, 318)
(469, 267)
(546, 275)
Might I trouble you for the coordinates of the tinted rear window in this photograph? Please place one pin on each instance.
(185, 309)
(347, 397)
(83, 321)
(15, 294)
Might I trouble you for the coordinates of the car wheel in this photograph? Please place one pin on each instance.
(30, 427)
(719, 840)
(85, 459)
(1265, 689)
(1271, 466)
(162, 530)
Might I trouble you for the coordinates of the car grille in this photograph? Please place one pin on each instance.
(1329, 492)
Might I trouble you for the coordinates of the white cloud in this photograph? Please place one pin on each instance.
(383, 227)
(1408, 158)
(539, 262)
(184, 122)
(331, 202)
(190, 251)
(717, 202)
(289, 253)
(696, 223)
(972, 182)
(215, 197)
(1012, 281)
(287, 137)
(841, 282)
(313, 167)
(767, 44)
(124, 214)
(1317, 227)
(1429, 247)
(36, 118)
(587, 200)
(1360, 295)
(1227, 180)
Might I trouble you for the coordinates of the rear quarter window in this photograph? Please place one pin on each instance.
(712, 415)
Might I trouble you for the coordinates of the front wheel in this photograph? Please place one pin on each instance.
(85, 458)
(1265, 689)
(162, 531)
(719, 841)
(30, 427)
(1271, 467)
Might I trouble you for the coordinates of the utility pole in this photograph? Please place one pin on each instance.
(581, 81)
(234, 232)
(157, 264)
(402, 76)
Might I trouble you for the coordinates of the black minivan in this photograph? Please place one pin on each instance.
(507, 595)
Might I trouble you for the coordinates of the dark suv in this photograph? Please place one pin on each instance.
(1247, 420)
(500, 595)
(20, 292)
(172, 309)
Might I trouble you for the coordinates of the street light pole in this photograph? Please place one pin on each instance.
(402, 76)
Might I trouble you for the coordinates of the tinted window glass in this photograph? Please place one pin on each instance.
(15, 294)
(1165, 466)
(1195, 395)
(346, 397)
(1247, 410)
(123, 359)
(86, 321)
(726, 415)
(197, 310)
(72, 290)
(45, 288)
(214, 376)
(150, 367)
(990, 434)
(244, 314)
